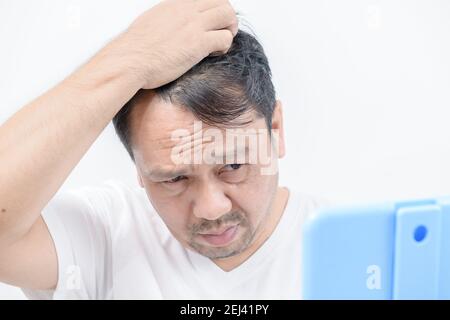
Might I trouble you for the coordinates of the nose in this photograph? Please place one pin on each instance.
(211, 202)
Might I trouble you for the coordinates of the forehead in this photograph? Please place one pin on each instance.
(155, 122)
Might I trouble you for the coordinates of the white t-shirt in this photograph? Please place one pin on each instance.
(111, 244)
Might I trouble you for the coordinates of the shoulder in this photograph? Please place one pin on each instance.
(113, 196)
(129, 211)
(111, 204)
(308, 204)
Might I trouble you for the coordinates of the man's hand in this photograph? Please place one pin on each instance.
(167, 40)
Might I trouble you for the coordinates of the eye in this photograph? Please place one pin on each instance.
(234, 173)
(232, 167)
(175, 180)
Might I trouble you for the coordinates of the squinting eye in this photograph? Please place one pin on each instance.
(234, 173)
(234, 166)
(174, 180)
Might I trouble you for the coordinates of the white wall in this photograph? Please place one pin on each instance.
(365, 86)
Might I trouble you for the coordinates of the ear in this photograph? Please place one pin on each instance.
(277, 127)
(140, 180)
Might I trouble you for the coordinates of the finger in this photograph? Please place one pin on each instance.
(204, 5)
(234, 28)
(219, 41)
(219, 18)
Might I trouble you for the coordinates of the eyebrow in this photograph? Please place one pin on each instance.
(160, 173)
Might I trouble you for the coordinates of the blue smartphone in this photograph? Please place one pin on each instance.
(395, 250)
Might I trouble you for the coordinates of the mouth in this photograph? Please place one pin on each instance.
(221, 237)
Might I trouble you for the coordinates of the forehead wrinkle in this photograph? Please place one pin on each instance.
(165, 141)
(195, 138)
(184, 142)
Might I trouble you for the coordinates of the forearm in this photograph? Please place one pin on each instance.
(42, 143)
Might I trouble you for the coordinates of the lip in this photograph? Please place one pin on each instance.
(217, 232)
(221, 237)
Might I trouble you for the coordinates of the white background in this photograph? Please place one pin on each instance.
(365, 87)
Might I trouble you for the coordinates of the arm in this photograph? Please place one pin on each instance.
(42, 143)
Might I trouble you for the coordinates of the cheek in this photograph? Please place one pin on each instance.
(255, 197)
(175, 215)
(259, 186)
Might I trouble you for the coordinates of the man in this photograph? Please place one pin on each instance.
(209, 220)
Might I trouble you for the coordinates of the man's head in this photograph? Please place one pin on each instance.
(205, 147)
